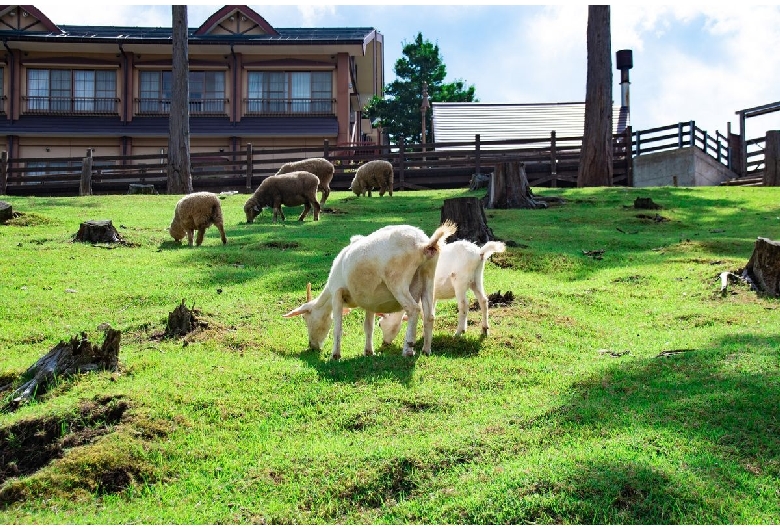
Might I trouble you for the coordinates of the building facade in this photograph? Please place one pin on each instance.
(69, 88)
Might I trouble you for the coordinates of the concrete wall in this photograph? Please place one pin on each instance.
(689, 165)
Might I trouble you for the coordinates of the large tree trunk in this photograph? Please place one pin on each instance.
(596, 156)
(179, 174)
(763, 268)
(469, 215)
(772, 159)
(509, 188)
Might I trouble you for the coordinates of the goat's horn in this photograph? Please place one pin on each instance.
(308, 292)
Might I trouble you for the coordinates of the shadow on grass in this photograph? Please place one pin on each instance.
(690, 438)
(383, 365)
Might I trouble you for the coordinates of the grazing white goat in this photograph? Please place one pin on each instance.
(461, 267)
(390, 270)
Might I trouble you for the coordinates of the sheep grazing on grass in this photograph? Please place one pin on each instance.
(318, 166)
(290, 189)
(389, 270)
(461, 267)
(374, 174)
(197, 211)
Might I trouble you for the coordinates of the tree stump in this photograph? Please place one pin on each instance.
(646, 203)
(509, 188)
(469, 215)
(69, 358)
(6, 211)
(98, 232)
(181, 321)
(772, 159)
(763, 268)
(141, 189)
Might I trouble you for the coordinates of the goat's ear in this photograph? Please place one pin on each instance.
(298, 311)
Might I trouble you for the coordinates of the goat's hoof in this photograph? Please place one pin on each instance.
(335, 357)
(368, 353)
(484, 332)
(408, 353)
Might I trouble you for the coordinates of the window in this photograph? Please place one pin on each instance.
(71, 90)
(207, 92)
(289, 92)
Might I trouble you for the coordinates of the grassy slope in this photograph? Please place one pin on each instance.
(536, 423)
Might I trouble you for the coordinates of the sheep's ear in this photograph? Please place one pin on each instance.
(298, 311)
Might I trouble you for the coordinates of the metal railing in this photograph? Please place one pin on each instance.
(69, 105)
(289, 107)
(197, 107)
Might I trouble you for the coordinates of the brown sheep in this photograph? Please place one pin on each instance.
(197, 211)
(290, 189)
(318, 166)
(373, 174)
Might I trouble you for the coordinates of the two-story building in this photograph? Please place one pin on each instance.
(68, 88)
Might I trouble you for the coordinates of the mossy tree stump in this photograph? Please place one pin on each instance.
(68, 358)
(763, 268)
(509, 188)
(469, 214)
(98, 232)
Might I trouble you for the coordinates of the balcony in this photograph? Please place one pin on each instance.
(67, 106)
(197, 107)
(289, 107)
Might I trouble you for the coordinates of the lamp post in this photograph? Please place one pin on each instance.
(423, 109)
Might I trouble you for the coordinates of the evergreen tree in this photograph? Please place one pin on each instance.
(399, 112)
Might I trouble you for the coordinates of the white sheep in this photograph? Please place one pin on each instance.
(289, 189)
(461, 267)
(391, 269)
(373, 174)
(197, 211)
(318, 166)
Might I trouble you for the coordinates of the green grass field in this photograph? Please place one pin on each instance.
(569, 412)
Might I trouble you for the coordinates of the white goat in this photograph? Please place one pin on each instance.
(389, 270)
(461, 267)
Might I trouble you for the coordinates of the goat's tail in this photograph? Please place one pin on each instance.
(442, 233)
(491, 247)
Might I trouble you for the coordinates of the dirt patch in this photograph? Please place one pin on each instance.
(333, 211)
(32, 444)
(281, 245)
(656, 218)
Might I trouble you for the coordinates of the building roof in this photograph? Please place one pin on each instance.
(460, 122)
(219, 28)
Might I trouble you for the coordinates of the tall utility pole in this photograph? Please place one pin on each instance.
(179, 173)
(423, 109)
(596, 155)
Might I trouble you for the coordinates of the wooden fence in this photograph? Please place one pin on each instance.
(685, 134)
(550, 162)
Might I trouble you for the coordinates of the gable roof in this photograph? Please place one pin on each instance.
(236, 14)
(28, 24)
(460, 122)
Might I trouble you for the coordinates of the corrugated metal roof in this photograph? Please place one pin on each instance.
(460, 122)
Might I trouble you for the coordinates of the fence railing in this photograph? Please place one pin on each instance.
(682, 134)
(551, 161)
(197, 107)
(754, 157)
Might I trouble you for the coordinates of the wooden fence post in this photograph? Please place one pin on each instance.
(692, 127)
(401, 163)
(477, 168)
(249, 167)
(772, 159)
(629, 158)
(553, 159)
(3, 172)
(86, 175)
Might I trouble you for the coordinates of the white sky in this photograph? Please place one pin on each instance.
(691, 62)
